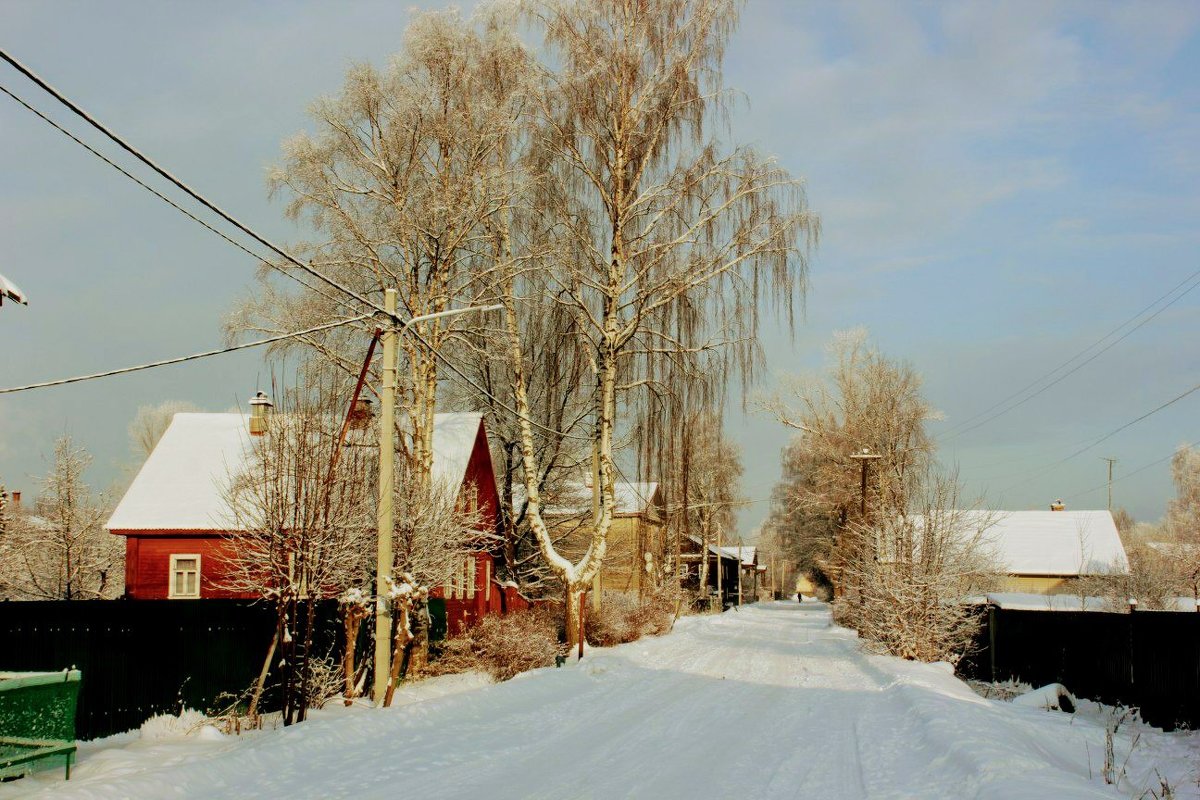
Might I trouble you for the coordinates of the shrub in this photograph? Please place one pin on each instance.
(623, 618)
(502, 646)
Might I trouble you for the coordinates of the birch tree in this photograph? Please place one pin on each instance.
(396, 182)
(670, 245)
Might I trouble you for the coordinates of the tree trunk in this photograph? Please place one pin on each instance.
(401, 641)
(353, 618)
(574, 614)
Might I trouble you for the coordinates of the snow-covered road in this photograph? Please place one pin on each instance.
(768, 701)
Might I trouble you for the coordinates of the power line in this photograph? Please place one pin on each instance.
(959, 430)
(307, 268)
(1142, 468)
(181, 359)
(262, 240)
(1106, 437)
(154, 191)
(124, 145)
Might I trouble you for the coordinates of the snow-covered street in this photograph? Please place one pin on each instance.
(768, 701)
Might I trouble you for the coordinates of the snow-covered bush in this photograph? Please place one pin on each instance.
(502, 646)
(187, 722)
(624, 618)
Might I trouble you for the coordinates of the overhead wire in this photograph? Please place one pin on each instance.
(959, 430)
(154, 191)
(45, 86)
(1129, 474)
(181, 359)
(1106, 437)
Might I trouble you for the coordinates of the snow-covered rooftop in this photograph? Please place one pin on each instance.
(183, 484)
(724, 552)
(575, 498)
(744, 552)
(1054, 542)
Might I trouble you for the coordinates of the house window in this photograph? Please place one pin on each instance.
(462, 582)
(184, 577)
(487, 580)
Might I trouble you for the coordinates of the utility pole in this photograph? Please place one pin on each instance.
(739, 572)
(865, 456)
(720, 570)
(384, 518)
(1110, 461)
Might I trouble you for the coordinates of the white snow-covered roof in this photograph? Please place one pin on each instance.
(575, 498)
(453, 440)
(1060, 543)
(743, 552)
(183, 484)
(724, 552)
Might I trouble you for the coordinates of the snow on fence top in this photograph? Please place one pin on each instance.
(183, 484)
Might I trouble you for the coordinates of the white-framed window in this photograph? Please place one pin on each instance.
(184, 576)
(462, 582)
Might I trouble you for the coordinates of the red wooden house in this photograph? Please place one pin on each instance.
(176, 523)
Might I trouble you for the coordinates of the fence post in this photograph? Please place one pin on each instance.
(1132, 644)
(991, 623)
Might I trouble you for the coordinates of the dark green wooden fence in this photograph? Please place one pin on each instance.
(1147, 659)
(141, 658)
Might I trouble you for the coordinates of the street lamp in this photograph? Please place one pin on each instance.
(387, 485)
(10, 291)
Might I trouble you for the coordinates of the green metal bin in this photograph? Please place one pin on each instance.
(37, 721)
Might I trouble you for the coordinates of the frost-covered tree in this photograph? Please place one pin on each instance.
(1183, 519)
(865, 401)
(906, 600)
(396, 182)
(60, 550)
(666, 245)
(302, 513)
(151, 422)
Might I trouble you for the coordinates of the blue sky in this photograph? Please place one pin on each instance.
(1001, 184)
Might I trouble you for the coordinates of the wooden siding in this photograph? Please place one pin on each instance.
(148, 564)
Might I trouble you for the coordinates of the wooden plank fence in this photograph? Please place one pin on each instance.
(141, 658)
(1147, 659)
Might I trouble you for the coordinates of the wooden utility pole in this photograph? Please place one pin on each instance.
(384, 518)
(739, 571)
(720, 570)
(865, 456)
(1110, 461)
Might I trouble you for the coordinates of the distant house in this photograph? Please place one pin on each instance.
(633, 559)
(692, 555)
(1048, 552)
(747, 556)
(176, 523)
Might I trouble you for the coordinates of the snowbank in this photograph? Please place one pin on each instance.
(772, 701)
